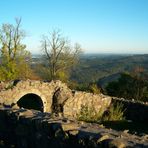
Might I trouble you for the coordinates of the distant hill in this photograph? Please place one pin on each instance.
(104, 68)
(105, 80)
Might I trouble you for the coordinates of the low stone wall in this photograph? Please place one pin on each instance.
(96, 102)
(31, 129)
(135, 111)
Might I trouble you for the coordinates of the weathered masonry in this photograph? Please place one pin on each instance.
(52, 96)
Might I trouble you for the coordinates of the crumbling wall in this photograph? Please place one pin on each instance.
(135, 111)
(97, 102)
(55, 95)
(58, 98)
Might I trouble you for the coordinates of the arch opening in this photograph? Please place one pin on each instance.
(31, 101)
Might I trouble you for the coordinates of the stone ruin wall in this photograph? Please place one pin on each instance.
(56, 93)
(29, 128)
(135, 111)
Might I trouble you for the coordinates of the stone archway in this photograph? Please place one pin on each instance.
(31, 101)
(46, 91)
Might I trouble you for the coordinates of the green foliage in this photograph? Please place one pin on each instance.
(129, 87)
(114, 113)
(42, 71)
(82, 87)
(62, 75)
(91, 87)
(95, 89)
(89, 114)
(13, 56)
(8, 71)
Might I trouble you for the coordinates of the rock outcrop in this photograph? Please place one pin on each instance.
(28, 129)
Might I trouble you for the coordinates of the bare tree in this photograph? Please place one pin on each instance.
(60, 54)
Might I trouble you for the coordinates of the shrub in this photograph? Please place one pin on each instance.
(95, 89)
(115, 113)
(123, 87)
(89, 114)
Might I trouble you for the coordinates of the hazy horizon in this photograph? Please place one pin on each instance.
(100, 26)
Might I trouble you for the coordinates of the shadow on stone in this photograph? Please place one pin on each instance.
(31, 101)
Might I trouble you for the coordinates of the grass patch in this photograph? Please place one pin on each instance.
(114, 113)
(113, 118)
(89, 114)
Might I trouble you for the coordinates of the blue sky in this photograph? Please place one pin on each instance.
(100, 26)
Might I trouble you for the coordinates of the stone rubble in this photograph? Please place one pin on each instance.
(23, 128)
